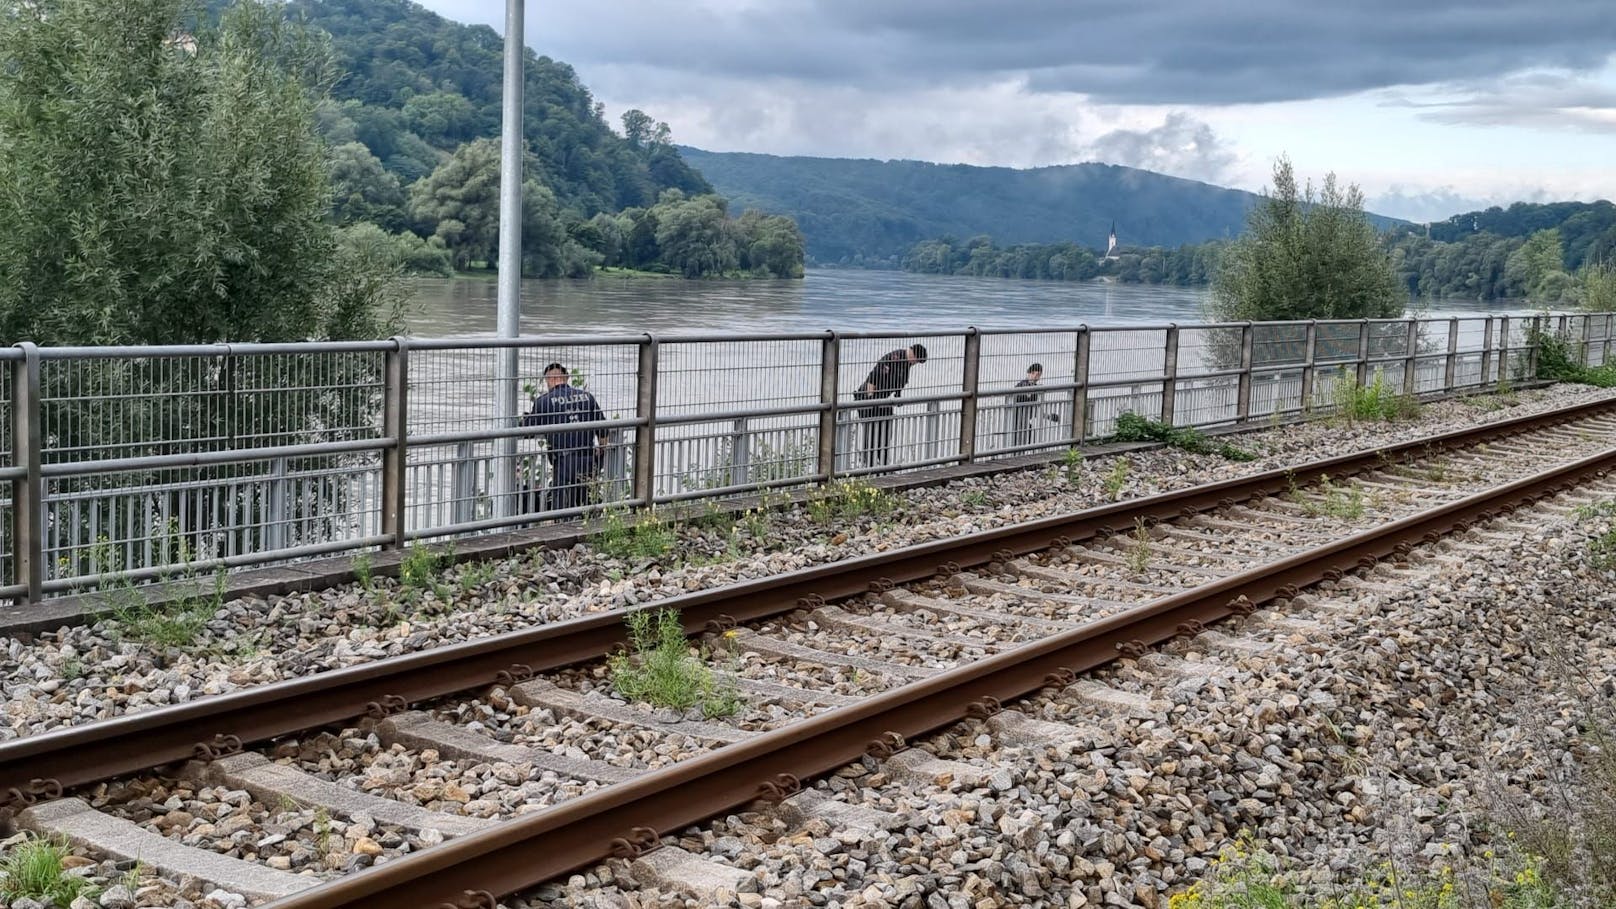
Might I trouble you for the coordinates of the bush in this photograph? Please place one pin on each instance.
(1373, 402)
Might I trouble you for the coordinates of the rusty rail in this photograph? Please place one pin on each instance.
(34, 767)
(626, 819)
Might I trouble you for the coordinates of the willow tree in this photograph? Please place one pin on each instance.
(1306, 255)
(161, 178)
(162, 182)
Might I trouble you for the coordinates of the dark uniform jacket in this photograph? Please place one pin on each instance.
(890, 375)
(566, 404)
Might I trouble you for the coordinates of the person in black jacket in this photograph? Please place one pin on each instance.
(1024, 413)
(886, 380)
(572, 454)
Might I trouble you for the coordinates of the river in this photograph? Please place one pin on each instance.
(846, 300)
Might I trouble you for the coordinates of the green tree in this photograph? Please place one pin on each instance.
(1598, 286)
(363, 190)
(1306, 256)
(694, 237)
(458, 204)
(159, 185)
(1537, 268)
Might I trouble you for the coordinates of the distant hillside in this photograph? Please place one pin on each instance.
(872, 212)
(416, 86)
(1587, 229)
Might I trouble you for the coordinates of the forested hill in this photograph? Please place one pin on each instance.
(865, 212)
(417, 85)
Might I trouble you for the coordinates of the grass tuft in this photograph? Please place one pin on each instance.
(660, 667)
(33, 870)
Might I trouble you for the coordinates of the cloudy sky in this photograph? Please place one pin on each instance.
(1432, 106)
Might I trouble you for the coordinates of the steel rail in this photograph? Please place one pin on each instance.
(628, 818)
(80, 755)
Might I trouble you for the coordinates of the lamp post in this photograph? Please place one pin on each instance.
(510, 261)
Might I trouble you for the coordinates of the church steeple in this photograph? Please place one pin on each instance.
(1111, 246)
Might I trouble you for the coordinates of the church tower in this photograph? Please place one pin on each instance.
(1111, 247)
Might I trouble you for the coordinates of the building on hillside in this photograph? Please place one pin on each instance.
(1111, 247)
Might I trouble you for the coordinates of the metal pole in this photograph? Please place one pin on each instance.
(1450, 372)
(510, 261)
(645, 434)
(973, 368)
(1310, 349)
(1486, 350)
(1080, 394)
(1411, 350)
(830, 358)
(28, 491)
(1363, 354)
(395, 401)
(1169, 374)
(1503, 348)
(1242, 404)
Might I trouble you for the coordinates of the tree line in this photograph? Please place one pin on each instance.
(1188, 265)
(1537, 252)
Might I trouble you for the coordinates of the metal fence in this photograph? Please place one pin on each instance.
(140, 463)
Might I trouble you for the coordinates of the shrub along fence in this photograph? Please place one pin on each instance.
(145, 462)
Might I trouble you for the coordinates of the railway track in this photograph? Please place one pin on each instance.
(832, 664)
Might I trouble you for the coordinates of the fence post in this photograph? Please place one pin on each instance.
(1503, 347)
(1169, 374)
(395, 401)
(463, 485)
(1080, 378)
(1411, 352)
(28, 490)
(740, 452)
(1605, 355)
(1486, 350)
(1450, 370)
(830, 364)
(278, 529)
(1309, 348)
(1363, 353)
(645, 414)
(1533, 334)
(934, 428)
(973, 367)
(1585, 351)
(1243, 397)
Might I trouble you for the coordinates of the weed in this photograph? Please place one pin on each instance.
(1117, 479)
(364, 571)
(71, 669)
(177, 623)
(1335, 501)
(1593, 510)
(1132, 427)
(850, 500)
(1373, 402)
(474, 575)
(1244, 876)
(419, 569)
(1436, 472)
(641, 537)
(660, 668)
(1139, 549)
(1072, 465)
(715, 517)
(974, 498)
(33, 870)
(322, 831)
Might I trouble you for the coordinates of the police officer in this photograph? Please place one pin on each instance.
(572, 455)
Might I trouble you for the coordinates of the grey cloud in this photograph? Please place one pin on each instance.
(1182, 146)
(1544, 101)
(1145, 51)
